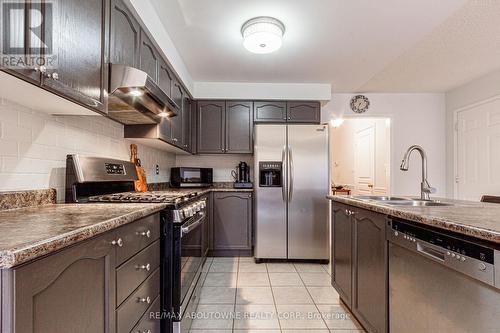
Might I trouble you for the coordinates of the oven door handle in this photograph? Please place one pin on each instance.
(193, 225)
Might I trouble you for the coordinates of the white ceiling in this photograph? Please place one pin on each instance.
(354, 45)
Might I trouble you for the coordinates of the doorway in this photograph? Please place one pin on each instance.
(360, 156)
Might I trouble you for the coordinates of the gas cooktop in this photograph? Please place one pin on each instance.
(140, 197)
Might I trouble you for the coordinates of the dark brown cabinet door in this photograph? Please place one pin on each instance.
(125, 35)
(165, 78)
(232, 221)
(177, 97)
(210, 127)
(149, 57)
(342, 252)
(78, 45)
(270, 112)
(303, 112)
(239, 127)
(70, 291)
(186, 123)
(369, 301)
(18, 35)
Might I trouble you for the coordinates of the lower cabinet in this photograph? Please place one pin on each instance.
(107, 284)
(70, 291)
(342, 252)
(232, 223)
(359, 265)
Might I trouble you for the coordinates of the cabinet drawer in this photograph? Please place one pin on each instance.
(149, 322)
(134, 271)
(129, 313)
(136, 236)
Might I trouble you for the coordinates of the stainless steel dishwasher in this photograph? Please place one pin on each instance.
(441, 282)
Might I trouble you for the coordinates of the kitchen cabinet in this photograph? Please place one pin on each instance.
(270, 112)
(287, 112)
(342, 252)
(359, 265)
(210, 127)
(79, 50)
(369, 301)
(232, 223)
(125, 35)
(178, 98)
(303, 112)
(149, 57)
(186, 123)
(239, 127)
(165, 78)
(91, 286)
(225, 127)
(70, 291)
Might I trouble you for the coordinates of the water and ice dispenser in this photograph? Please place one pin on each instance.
(270, 174)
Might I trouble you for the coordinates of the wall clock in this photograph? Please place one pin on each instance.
(360, 104)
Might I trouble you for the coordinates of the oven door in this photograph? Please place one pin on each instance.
(189, 258)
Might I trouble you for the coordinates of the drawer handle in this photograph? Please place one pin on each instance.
(144, 300)
(145, 234)
(146, 267)
(118, 242)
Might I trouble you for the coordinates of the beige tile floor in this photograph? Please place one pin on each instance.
(239, 296)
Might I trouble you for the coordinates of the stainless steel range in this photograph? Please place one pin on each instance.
(184, 241)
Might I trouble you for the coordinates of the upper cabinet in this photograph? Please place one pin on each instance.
(239, 127)
(210, 127)
(287, 112)
(165, 78)
(125, 36)
(303, 112)
(186, 123)
(150, 57)
(270, 112)
(225, 127)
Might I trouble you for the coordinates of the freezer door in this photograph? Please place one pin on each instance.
(307, 191)
(270, 202)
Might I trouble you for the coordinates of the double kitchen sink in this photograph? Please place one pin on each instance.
(400, 201)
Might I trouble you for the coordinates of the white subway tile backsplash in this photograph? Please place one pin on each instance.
(34, 145)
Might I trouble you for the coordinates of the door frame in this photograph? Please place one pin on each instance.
(455, 136)
(373, 128)
(390, 179)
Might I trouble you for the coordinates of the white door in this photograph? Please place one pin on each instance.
(478, 151)
(364, 160)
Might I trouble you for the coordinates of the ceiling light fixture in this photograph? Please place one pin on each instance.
(262, 34)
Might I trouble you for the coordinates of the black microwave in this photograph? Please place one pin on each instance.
(191, 177)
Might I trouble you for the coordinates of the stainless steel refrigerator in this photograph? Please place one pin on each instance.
(291, 209)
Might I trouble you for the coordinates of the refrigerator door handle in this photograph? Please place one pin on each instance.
(290, 173)
(283, 174)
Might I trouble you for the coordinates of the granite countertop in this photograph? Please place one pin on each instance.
(476, 219)
(29, 233)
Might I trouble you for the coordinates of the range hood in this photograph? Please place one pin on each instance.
(135, 99)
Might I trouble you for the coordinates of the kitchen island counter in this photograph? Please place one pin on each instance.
(476, 219)
(29, 233)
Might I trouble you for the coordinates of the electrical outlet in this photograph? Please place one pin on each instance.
(157, 169)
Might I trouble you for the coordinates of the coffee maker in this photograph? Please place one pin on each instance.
(242, 176)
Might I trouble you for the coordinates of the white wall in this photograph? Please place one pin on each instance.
(342, 145)
(222, 164)
(34, 145)
(415, 119)
(468, 94)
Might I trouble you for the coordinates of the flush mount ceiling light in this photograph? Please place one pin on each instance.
(262, 34)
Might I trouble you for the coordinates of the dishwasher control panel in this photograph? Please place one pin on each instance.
(461, 254)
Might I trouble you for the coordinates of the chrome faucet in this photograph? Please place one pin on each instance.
(425, 188)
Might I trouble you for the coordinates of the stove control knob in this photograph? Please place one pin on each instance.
(482, 267)
(203, 204)
(187, 212)
(198, 206)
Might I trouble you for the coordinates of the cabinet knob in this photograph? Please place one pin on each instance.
(55, 76)
(118, 242)
(42, 69)
(144, 300)
(146, 267)
(146, 234)
(289, 118)
(175, 140)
